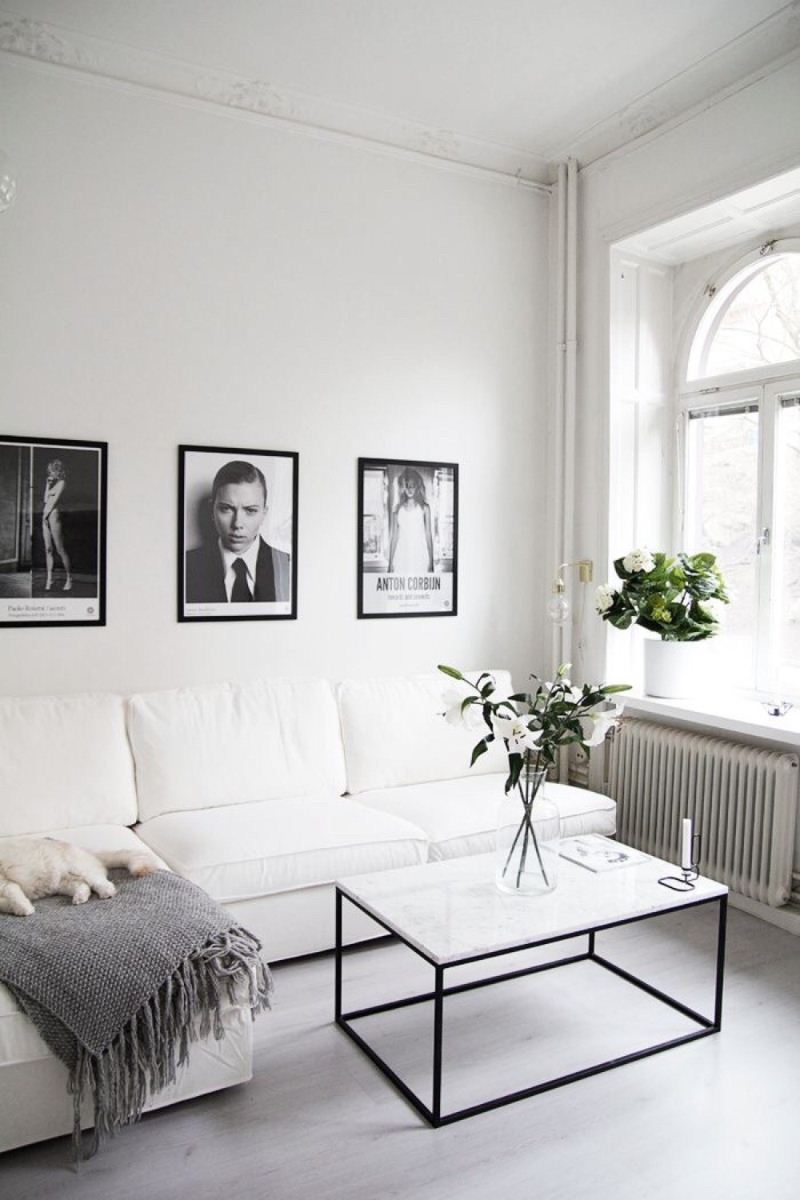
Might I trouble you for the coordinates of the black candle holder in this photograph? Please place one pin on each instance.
(685, 881)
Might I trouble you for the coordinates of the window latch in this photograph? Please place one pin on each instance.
(762, 541)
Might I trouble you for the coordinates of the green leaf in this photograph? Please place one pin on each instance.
(480, 749)
(515, 765)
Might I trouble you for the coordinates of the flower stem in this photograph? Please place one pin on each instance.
(526, 829)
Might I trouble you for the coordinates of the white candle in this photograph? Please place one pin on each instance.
(686, 844)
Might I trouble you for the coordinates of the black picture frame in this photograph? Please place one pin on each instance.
(53, 517)
(200, 551)
(429, 532)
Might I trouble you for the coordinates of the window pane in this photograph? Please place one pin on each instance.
(759, 322)
(722, 514)
(788, 566)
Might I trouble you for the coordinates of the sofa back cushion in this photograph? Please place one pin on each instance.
(394, 733)
(64, 763)
(206, 747)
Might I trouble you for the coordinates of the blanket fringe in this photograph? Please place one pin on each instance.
(145, 1055)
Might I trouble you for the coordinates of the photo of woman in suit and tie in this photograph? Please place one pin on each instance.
(239, 531)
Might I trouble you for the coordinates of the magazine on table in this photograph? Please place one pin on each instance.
(598, 853)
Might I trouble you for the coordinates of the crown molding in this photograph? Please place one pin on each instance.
(115, 62)
(741, 62)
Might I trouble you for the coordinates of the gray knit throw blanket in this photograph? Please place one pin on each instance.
(119, 988)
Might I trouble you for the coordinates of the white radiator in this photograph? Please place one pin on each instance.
(743, 803)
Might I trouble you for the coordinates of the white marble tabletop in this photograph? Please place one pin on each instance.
(452, 910)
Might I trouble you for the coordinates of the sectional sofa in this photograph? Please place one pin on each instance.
(262, 794)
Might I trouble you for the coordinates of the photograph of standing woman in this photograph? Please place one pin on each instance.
(65, 538)
(408, 538)
(411, 545)
(51, 524)
(52, 532)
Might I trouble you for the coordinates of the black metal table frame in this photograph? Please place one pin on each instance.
(434, 1115)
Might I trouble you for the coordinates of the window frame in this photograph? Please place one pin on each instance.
(765, 386)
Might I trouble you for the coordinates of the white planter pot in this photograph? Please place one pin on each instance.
(674, 669)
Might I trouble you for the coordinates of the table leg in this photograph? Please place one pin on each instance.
(723, 917)
(438, 1021)
(338, 957)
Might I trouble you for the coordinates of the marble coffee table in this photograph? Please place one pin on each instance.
(450, 913)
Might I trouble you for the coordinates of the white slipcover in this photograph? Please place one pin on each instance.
(64, 762)
(239, 852)
(205, 747)
(394, 734)
(460, 815)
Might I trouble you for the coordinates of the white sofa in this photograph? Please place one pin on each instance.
(263, 794)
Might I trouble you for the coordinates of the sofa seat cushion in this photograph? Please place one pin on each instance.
(460, 815)
(248, 850)
(96, 838)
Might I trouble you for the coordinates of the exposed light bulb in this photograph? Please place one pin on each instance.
(558, 608)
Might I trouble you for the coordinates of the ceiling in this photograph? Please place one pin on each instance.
(512, 85)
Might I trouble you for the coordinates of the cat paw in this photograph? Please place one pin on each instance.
(81, 894)
(105, 890)
(24, 909)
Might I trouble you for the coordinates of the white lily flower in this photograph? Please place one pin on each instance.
(595, 725)
(639, 560)
(515, 732)
(468, 718)
(605, 596)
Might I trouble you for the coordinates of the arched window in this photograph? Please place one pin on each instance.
(740, 406)
(752, 321)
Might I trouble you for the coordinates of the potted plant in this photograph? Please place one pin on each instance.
(534, 726)
(678, 598)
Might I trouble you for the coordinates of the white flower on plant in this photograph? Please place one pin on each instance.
(639, 560)
(515, 732)
(604, 597)
(467, 717)
(595, 725)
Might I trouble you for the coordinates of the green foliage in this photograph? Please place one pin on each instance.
(670, 599)
(557, 713)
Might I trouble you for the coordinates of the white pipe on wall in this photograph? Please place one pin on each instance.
(565, 396)
(557, 532)
(570, 378)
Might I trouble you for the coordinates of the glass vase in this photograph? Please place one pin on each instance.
(528, 835)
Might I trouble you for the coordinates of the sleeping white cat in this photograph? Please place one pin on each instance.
(31, 868)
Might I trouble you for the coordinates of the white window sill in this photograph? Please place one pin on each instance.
(730, 714)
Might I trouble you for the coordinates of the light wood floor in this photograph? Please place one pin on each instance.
(717, 1119)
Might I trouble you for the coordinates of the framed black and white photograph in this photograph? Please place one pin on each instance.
(237, 534)
(407, 538)
(52, 531)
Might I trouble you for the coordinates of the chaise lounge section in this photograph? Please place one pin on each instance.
(263, 794)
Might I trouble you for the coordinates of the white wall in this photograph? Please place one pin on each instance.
(172, 273)
(747, 137)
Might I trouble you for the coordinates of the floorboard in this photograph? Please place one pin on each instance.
(716, 1118)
